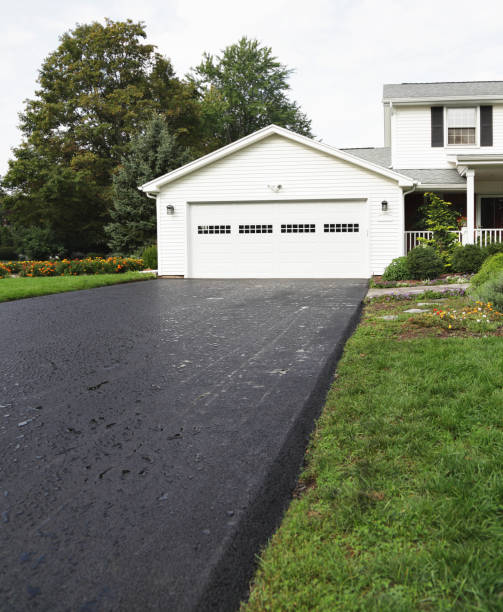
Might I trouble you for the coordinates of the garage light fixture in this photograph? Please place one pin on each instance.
(170, 209)
(384, 206)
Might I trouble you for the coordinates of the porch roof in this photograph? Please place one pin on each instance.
(426, 176)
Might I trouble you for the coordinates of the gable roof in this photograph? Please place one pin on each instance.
(424, 176)
(154, 185)
(446, 90)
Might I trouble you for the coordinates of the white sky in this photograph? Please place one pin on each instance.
(342, 50)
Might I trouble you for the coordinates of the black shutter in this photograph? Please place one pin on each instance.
(437, 126)
(486, 126)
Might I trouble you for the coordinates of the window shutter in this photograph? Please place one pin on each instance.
(437, 126)
(486, 126)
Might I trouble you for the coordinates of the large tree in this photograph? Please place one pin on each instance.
(96, 90)
(243, 90)
(153, 152)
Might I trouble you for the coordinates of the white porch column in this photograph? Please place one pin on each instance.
(470, 206)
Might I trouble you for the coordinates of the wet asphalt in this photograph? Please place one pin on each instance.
(151, 435)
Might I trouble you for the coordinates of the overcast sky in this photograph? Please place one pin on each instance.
(342, 50)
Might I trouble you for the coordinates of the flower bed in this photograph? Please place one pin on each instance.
(477, 316)
(72, 267)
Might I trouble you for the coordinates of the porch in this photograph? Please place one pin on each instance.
(483, 219)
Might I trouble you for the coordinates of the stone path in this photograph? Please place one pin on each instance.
(416, 289)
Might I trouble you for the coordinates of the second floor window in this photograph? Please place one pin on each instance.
(461, 126)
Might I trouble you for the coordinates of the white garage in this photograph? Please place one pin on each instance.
(278, 205)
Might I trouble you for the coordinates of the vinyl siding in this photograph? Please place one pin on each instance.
(304, 174)
(411, 139)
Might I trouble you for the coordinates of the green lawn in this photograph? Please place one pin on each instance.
(400, 506)
(19, 288)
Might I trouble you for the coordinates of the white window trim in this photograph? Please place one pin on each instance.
(477, 129)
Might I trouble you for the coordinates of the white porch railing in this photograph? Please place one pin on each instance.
(412, 238)
(482, 236)
(486, 236)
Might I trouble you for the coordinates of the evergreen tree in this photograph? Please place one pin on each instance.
(152, 153)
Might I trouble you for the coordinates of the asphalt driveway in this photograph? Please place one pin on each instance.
(151, 434)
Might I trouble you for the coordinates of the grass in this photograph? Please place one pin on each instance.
(400, 506)
(24, 287)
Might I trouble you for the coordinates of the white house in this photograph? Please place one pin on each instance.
(275, 204)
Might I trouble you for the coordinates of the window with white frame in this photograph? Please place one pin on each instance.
(462, 126)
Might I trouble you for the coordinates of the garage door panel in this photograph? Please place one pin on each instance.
(289, 240)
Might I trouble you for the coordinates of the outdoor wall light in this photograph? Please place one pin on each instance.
(384, 206)
(170, 209)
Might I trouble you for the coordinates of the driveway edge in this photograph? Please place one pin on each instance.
(228, 581)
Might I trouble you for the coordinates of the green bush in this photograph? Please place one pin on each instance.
(492, 248)
(490, 268)
(424, 263)
(467, 259)
(491, 291)
(37, 242)
(440, 218)
(397, 270)
(149, 256)
(7, 253)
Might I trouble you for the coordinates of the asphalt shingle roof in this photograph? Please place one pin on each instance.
(439, 90)
(377, 155)
(434, 176)
(427, 176)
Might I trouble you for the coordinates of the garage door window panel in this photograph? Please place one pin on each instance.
(341, 228)
(213, 229)
(298, 228)
(255, 229)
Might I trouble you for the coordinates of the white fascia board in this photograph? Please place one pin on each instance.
(479, 160)
(442, 99)
(154, 185)
(441, 187)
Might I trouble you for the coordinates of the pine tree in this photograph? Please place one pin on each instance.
(151, 154)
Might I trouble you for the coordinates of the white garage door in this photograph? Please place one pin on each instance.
(280, 240)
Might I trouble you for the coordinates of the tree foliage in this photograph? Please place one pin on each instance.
(152, 153)
(96, 90)
(243, 90)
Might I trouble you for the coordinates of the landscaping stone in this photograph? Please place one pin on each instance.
(416, 310)
(389, 317)
(416, 289)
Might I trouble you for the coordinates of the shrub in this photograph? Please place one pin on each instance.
(440, 218)
(7, 252)
(468, 259)
(149, 256)
(490, 268)
(397, 270)
(491, 291)
(37, 242)
(423, 263)
(492, 248)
